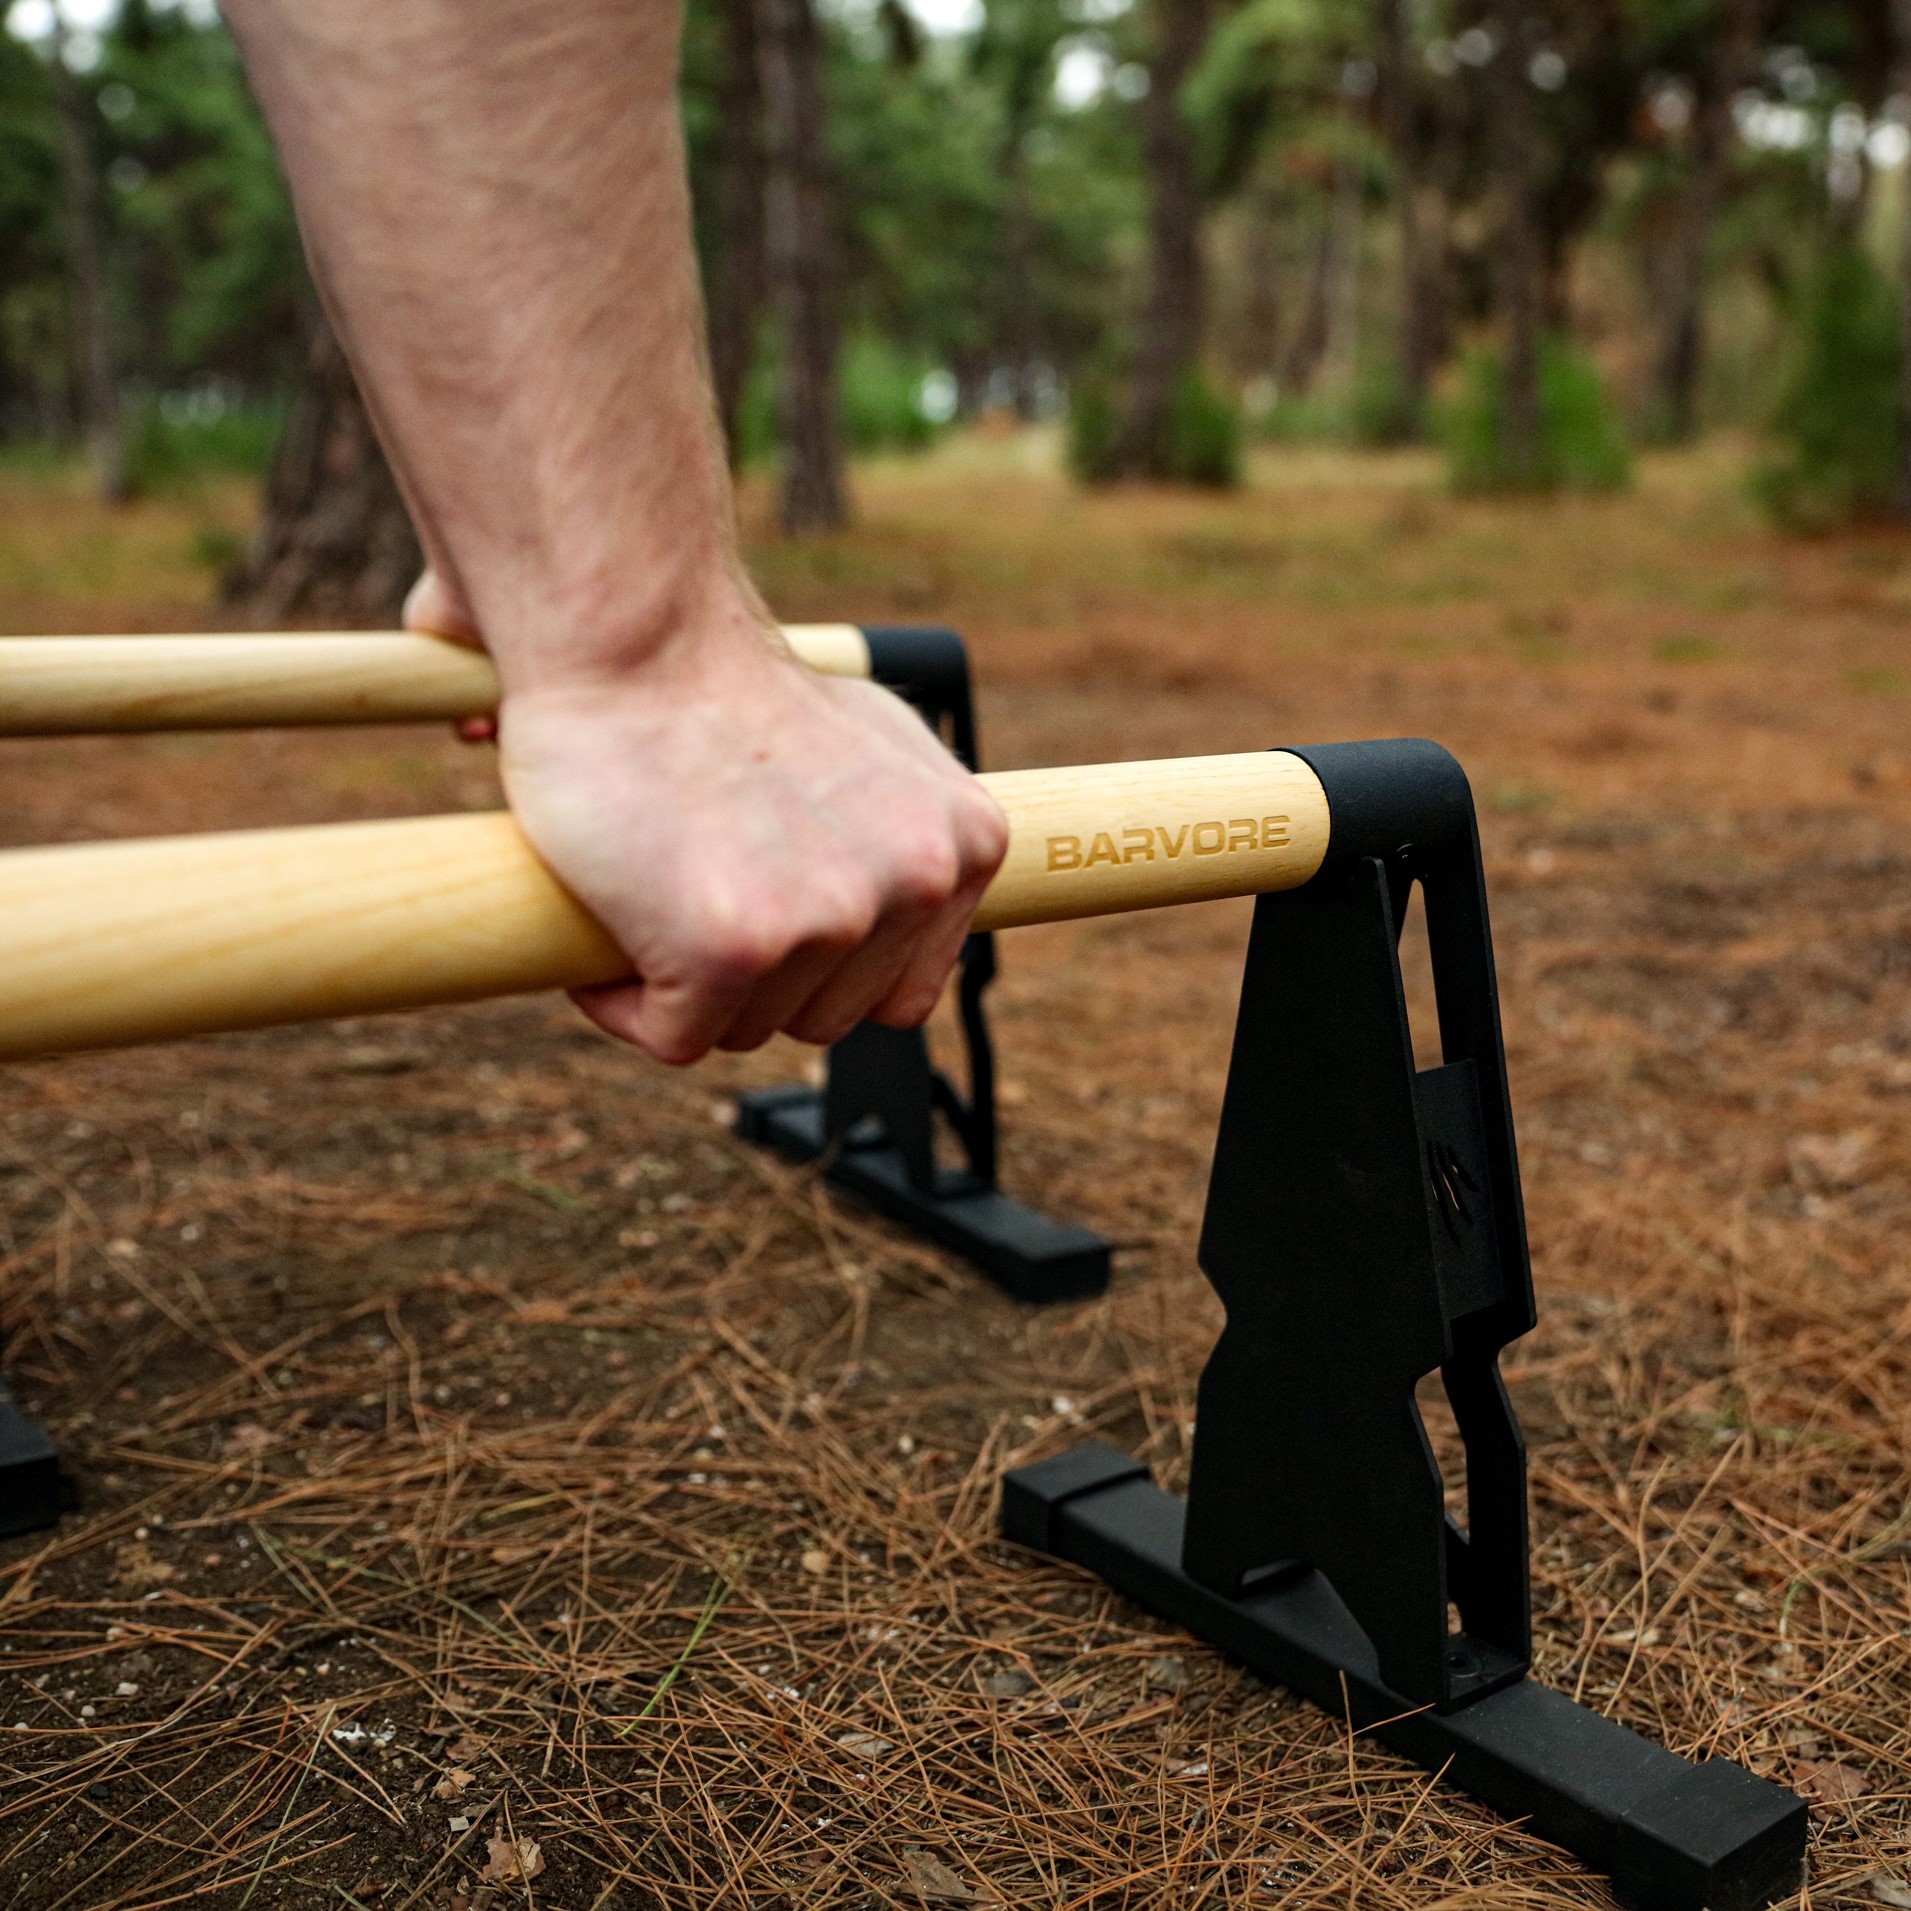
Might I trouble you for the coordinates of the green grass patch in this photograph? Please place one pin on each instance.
(1872, 681)
(1685, 649)
(1524, 799)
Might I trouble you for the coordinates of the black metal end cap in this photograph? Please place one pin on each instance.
(1386, 797)
(924, 661)
(1718, 1838)
(33, 1490)
(1033, 1496)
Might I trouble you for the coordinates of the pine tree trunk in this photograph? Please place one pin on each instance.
(1343, 345)
(1680, 358)
(738, 279)
(1520, 290)
(1901, 49)
(1417, 324)
(335, 544)
(1301, 362)
(1169, 346)
(1022, 244)
(101, 421)
(801, 251)
(1259, 356)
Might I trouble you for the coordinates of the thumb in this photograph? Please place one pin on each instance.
(435, 606)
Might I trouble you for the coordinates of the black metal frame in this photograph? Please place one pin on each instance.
(1364, 1227)
(33, 1491)
(874, 1120)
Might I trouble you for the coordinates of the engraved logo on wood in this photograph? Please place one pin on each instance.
(1156, 843)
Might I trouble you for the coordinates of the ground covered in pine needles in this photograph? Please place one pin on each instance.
(499, 1487)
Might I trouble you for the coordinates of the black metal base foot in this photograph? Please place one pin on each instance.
(1030, 1256)
(1671, 1834)
(32, 1492)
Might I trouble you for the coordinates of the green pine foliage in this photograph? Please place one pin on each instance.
(174, 442)
(1837, 421)
(1203, 439)
(1204, 435)
(1582, 441)
(1094, 425)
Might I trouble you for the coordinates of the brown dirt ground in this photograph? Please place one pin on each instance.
(469, 1433)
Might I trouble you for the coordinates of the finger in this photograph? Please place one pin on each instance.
(669, 1021)
(919, 986)
(739, 960)
(861, 979)
(433, 606)
(911, 998)
(781, 995)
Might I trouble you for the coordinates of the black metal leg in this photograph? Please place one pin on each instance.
(1364, 1228)
(875, 1121)
(32, 1491)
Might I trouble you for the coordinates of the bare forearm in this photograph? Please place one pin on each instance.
(493, 195)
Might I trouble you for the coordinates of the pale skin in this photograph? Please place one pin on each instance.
(493, 197)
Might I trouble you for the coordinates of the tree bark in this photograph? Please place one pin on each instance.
(1680, 358)
(1021, 312)
(1418, 328)
(1520, 288)
(801, 248)
(1901, 60)
(1261, 313)
(335, 543)
(1169, 345)
(102, 423)
(1301, 362)
(1343, 345)
(739, 277)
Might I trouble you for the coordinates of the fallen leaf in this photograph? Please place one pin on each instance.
(453, 1783)
(466, 1746)
(1169, 1674)
(134, 1563)
(932, 1881)
(814, 1561)
(247, 1437)
(376, 1061)
(1892, 1891)
(1832, 1161)
(513, 1861)
(865, 1744)
(1834, 1783)
(515, 1555)
(1009, 1683)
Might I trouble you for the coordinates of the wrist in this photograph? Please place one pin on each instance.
(702, 620)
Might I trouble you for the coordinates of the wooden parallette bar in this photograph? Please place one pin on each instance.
(105, 945)
(84, 686)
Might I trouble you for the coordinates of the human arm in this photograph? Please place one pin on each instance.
(494, 200)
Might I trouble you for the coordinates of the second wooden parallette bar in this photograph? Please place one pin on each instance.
(87, 686)
(105, 945)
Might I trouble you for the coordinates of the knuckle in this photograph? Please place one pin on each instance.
(838, 908)
(986, 831)
(729, 951)
(928, 872)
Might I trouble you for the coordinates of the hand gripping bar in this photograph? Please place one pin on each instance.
(104, 945)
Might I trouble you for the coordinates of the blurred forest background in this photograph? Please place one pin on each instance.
(1538, 233)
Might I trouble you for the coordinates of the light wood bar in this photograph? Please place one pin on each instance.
(86, 686)
(104, 945)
